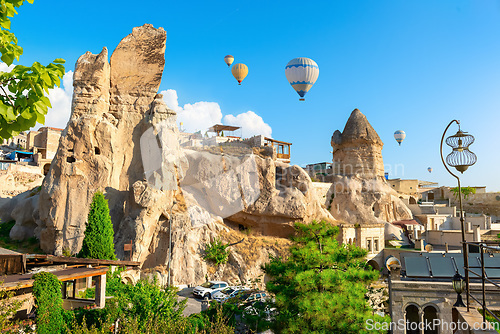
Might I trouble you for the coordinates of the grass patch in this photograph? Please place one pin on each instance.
(31, 245)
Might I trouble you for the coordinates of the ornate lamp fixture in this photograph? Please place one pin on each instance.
(461, 157)
(459, 287)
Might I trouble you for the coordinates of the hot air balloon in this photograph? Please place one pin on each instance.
(302, 73)
(239, 71)
(429, 169)
(229, 60)
(399, 135)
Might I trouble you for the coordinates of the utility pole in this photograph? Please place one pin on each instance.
(170, 242)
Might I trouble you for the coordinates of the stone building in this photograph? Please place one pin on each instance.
(44, 141)
(16, 142)
(421, 292)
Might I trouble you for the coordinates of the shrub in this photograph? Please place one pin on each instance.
(48, 300)
(99, 234)
(216, 252)
(8, 308)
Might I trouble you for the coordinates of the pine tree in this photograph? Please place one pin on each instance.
(321, 286)
(98, 240)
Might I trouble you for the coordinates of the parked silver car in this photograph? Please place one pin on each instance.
(208, 289)
(228, 292)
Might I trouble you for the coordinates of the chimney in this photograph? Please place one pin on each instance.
(477, 234)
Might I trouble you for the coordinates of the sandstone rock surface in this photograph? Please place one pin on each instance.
(122, 140)
(359, 193)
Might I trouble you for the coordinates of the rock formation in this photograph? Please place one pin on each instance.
(359, 193)
(122, 140)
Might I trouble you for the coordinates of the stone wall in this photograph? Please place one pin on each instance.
(437, 295)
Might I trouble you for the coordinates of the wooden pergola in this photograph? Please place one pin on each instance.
(218, 128)
(282, 148)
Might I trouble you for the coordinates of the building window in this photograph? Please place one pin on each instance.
(375, 245)
(369, 245)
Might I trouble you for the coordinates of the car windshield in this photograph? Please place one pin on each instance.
(228, 291)
(207, 285)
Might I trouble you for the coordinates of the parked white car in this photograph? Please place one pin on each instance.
(208, 289)
(228, 292)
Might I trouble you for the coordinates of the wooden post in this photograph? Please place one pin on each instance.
(100, 291)
(88, 279)
(65, 290)
(128, 248)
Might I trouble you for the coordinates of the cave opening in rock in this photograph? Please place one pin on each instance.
(97, 150)
(70, 159)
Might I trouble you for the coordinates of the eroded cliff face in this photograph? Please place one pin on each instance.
(99, 149)
(359, 193)
(122, 140)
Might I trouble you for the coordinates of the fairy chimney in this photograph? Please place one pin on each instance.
(358, 149)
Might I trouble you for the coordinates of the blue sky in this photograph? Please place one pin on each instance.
(410, 65)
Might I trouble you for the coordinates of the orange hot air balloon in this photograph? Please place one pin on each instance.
(229, 60)
(239, 71)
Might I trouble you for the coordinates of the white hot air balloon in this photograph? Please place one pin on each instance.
(302, 73)
(399, 135)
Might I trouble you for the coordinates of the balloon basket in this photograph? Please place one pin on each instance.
(302, 99)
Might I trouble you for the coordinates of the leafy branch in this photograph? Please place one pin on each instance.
(23, 100)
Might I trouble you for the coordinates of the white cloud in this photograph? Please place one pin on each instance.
(202, 115)
(251, 124)
(5, 68)
(196, 116)
(60, 98)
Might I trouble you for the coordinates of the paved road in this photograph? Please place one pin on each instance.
(194, 305)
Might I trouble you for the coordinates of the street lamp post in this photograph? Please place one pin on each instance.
(460, 158)
(459, 286)
(170, 241)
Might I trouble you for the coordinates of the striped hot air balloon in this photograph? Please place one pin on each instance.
(229, 60)
(239, 71)
(429, 169)
(399, 135)
(302, 73)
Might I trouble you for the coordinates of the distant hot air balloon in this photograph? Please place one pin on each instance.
(399, 135)
(239, 71)
(229, 60)
(429, 169)
(302, 73)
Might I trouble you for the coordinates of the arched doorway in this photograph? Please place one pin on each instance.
(374, 265)
(412, 200)
(412, 320)
(430, 315)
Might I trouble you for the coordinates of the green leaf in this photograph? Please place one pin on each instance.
(40, 118)
(46, 100)
(59, 61)
(46, 78)
(40, 107)
(7, 58)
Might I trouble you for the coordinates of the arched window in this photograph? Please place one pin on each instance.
(430, 314)
(412, 320)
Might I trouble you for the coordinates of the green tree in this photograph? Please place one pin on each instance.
(321, 286)
(48, 300)
(98, 240)
(22, 91)
(216, 252)
(466, 191)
